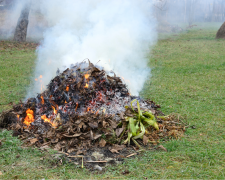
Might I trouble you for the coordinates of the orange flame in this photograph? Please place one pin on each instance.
(67, 88)
(42, 100)
(65, 102)
(29, 118)
(86, 76)
(88, 109)
(18, 116)
(76, 106)
(55, 111)
(47, 120)
(86, 86)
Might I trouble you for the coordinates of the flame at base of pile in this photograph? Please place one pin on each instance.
(29, 117)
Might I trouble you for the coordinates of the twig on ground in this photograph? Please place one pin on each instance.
(96, 161)
(76, 156)
(64, 153)
(82, 164)
(82, 160)
(131, 155)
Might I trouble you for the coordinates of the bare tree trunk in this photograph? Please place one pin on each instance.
(22, 24)
(190, 12)
(191, 7)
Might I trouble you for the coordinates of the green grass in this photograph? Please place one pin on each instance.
(16, 68)
(187, 78)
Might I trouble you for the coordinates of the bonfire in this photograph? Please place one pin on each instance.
(86, 108)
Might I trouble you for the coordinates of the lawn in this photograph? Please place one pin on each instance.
(188, 73)
(16, 67)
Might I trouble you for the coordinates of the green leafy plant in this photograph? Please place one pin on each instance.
(137, 124)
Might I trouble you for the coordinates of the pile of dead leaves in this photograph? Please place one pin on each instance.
(82, 133)
(87, 109)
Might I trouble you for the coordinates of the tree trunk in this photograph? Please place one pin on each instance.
(190, 12)
(22, 24)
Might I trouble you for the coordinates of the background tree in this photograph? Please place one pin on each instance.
(22, 24)
(191, 7)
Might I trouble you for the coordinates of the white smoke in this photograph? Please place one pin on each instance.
(118, 33)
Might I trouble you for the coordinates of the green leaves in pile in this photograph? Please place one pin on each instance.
(138, 123)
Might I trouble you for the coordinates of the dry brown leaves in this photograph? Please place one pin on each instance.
(102, 143)
(162, 148)
(81, 133)
(116, 148)
(78, 134)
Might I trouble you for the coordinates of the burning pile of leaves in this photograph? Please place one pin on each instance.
(86, 107)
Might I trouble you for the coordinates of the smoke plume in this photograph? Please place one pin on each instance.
(114, 34)
(189, 12)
